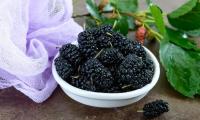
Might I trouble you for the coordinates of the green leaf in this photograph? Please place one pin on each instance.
(109, 21)
(157, 14)
(176, 37)
(183, 9)
(122, 25)
(93, 9)
(182, 68)
(131, 23)
(193, 33)
(188, 21)
(125, 5)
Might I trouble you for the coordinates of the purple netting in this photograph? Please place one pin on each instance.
(30, 31)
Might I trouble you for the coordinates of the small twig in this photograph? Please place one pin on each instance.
(108, 33)
(149, 21)
(150, 17)
(123, 87)
(111, 44)
(118, 13)
(156, 34)
(158, 39)
(88, 14)
(91, 80)
(141, 111)
(84, 26)
(102, 12)
(83, 15)
(114, 25)
(79, 67)
(98, 53)
(75, 76)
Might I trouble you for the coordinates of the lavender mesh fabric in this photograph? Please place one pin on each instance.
(31, 31)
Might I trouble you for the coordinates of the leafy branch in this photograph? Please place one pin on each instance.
(142, 17)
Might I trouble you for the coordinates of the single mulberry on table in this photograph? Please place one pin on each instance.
(155, 109)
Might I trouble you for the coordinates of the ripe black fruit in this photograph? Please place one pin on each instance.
(97, 74)
(110, 56)
(155, 109)
(104, 41)
(64, 68)
(127, 46)
(82, 82)
(101, 30)
(71, 53)
(87, 44)
(129, 72)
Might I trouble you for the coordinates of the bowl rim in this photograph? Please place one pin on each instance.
(110, 96)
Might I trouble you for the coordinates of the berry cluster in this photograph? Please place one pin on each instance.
(104, 61)
(155, 109)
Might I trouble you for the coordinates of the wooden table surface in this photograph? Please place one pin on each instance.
(15, 106)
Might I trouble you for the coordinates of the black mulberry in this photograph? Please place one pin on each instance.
(97, 74)
(110, 56)
(148, 64)
(113, 89)
(87, 44)
(71, 53)
(113, 69)
(155, 109)
(101, 30)
(82, 82)
(122, 43)
(146, 76)
(127, 46)
(138, 50)
(105, 28)
(64, 68)
(128, 72)
(104, 41)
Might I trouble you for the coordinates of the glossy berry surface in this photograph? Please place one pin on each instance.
(110, 56)
(71, 53)
(64, 68)
(95, 72)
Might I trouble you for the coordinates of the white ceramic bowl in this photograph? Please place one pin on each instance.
(108, 100)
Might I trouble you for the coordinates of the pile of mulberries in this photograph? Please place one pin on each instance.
(104, 61)
(155, 109)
